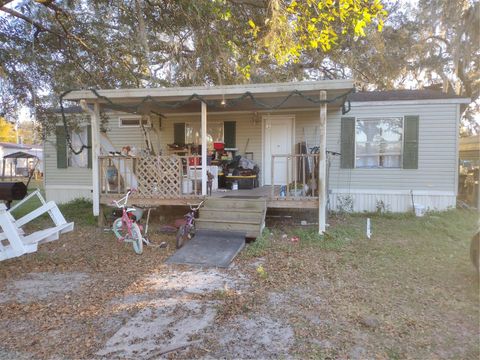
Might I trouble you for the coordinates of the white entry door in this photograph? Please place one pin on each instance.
(278, 140)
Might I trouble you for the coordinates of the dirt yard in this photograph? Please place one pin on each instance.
(408, 293)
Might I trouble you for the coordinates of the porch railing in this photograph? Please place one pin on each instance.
(161, 177)
(176, 177)
(298, 174)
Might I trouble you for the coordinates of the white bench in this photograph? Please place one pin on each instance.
(14, 242)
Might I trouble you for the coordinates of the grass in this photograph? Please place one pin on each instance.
(432, 245)
(413, 276)
(334, 239)
(260, 246)
(78, 211)
(454, 224)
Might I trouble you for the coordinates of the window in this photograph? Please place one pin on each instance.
(78, 137)
(378, 142)
(133, 121)
(214, 133)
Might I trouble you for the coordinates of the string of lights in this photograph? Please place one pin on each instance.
(225, 103)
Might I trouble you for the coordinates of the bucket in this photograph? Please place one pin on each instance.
(419, 210)
(218, 146)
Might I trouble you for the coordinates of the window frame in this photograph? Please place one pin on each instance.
(222, 122)
(357, 118)
(70, 153)
(133, 117)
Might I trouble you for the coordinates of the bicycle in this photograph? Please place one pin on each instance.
(187, 230)
(126, 228)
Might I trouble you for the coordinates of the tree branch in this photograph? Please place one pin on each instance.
(254, 3)
(439, 38)
(3, 3)
(19, 15)
(49, 4)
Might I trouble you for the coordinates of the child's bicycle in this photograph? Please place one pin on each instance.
(187, 230)
(126, 228)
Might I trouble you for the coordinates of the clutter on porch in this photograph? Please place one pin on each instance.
(225, 169)
(178, 174)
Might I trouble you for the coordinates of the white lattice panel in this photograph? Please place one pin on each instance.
(159, 177)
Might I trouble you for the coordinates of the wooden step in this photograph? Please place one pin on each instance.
(220, 221)
(233, 214)
(231, 203)
(252, 229)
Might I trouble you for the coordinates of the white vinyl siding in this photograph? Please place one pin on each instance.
(437, 154)
(437, 151)
(68, 176)
(83, 176)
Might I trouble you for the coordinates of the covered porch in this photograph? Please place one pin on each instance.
(169, 180)
(287, 177)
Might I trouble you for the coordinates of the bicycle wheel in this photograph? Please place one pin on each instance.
(118, 229)
(182, 236)
(137, 239)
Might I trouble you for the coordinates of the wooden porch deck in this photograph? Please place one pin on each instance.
(260, 192)
(171, 180)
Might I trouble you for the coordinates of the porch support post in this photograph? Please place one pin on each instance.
(204, 148)
(95, 122)
(322, 166)
(95, 154)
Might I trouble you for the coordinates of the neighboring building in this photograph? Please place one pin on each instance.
(391, 143)
(469, 180)
(470, 150)
(19, 167)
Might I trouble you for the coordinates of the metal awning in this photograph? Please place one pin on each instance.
(20, 155)
(242, 97)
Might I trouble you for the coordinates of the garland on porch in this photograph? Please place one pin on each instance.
(211, 103)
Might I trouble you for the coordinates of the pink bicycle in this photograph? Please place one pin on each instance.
(126, 227)
(187, 230)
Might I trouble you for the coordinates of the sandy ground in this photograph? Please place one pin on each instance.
(88, 297)
(176, 315)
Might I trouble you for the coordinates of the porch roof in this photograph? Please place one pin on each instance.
(289, 95)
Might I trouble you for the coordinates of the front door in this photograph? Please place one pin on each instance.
(278, 140)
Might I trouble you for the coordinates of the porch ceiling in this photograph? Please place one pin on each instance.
(291, 95)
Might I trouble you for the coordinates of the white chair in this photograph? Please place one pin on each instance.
(14, 242)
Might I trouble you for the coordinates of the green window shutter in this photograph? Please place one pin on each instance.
(61, 148)
(89, 144)
(179, 133)
(347, 137)
(229, 133)
(410, 142)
